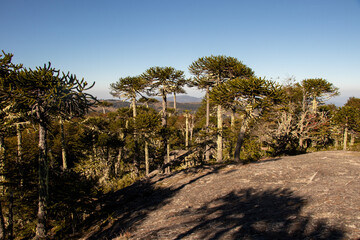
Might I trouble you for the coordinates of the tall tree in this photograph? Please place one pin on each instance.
(213, 71)
(252, 95)
(129, 88)
(8, 71)
(178, 87)
(48, 94)
(162, 81)
(316, 91)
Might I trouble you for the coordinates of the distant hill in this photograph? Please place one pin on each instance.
(184, 99)
(184, 102)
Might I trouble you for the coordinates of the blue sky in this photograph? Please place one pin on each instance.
(104, 40)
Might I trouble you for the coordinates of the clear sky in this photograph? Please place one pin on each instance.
(104, 40)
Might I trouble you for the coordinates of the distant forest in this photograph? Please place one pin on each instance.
(61, 148)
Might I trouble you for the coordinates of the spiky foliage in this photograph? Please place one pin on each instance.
(252, 95)
(129, 88)
(210, 72)
(162, 80)
(317, 91)
(47, 94)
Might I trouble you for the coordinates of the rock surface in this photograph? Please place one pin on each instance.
(310, 196)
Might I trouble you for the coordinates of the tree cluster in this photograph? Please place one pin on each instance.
(57, 157)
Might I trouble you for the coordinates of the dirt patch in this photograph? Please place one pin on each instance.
(310, 196)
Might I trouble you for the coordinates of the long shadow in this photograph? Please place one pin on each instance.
(122, 211)
(254, 214)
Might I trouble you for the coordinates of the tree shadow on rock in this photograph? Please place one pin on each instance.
(255, 214)
(120, 212)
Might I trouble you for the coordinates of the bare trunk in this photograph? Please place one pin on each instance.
(135, 159)
(167, 170)
(352, 139)
(146, 158)
(232, 124)
(175, 101)
(219, 135)
(345, 138)
(301, 143)
(63, 145)
(240, 139)
(207, 148)
(19, 142)
(164, 110)
(2, 163)
(2, 224)
(134, 107)
(164, 124)
(11, 216)
(191, 126)
(314, 105)
(187, 130)
(41, 215)
(336, 143)
(118, 162)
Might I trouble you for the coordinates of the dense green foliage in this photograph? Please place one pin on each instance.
(57, 159)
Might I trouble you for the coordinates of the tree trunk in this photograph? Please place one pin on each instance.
(207, 148)
(164, 110)
(134, 107)
(19, 142)
(41, 215)
(167, 169)
(2, 163)
(241, 138)
(186, 130)
(232, 123)
(164, 124)
(352, 139)
(219, 135)
(175, 101)
(345, 138)
(118, 162)
(2, 160)
(336, 143)
(314, 105)
(147, 157)
(2, 223)
(11, 216)
(63, 145)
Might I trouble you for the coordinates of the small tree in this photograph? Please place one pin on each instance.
(348, 118)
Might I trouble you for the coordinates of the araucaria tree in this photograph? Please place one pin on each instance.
(130, 88)
(316, 91)
(7, 72)
(213, 71)
(161, 81)
(252, 96)
(48, 94)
